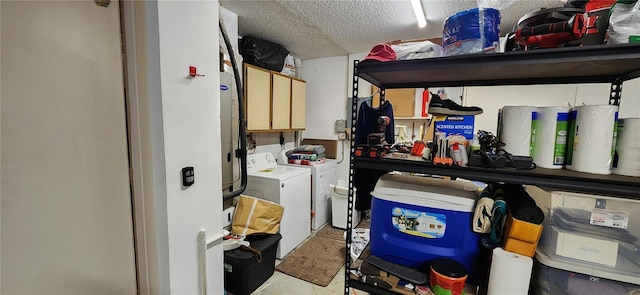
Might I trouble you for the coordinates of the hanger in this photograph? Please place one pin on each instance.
(369, 99)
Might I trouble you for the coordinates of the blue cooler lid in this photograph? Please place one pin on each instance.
(427, 192)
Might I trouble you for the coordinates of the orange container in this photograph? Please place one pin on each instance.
(418, 148)
(447, 277)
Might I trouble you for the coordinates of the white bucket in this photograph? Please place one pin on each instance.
(339, 201)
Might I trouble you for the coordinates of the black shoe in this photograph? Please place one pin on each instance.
(438, 106)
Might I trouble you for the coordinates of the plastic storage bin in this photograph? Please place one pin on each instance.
(595, 235)
(417, 219)
(339, 201)
(243, 272)
(553, 277)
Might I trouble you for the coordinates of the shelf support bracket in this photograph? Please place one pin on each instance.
(616, 92)
(382, 100)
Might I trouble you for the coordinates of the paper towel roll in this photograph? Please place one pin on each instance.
(517, 124)
(629, 133)
(628, 161)
(593, 139)
(510, 273)
(551, 136)
(628, 147)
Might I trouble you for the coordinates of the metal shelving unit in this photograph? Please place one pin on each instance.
(625, 186)
(590, 64)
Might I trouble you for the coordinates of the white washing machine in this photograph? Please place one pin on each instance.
(322, 176)
(287, 186)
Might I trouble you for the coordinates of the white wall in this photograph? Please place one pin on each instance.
(66, 200)
(599, 94)
(327, 83)
(270, 143)
(184, 130)
(492, 98)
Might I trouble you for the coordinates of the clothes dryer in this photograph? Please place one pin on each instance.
(322, 176)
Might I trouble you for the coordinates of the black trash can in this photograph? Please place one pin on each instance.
(243, 273)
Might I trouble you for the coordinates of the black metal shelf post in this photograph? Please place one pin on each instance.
(600, 63)
(350, 198)
(616, 92)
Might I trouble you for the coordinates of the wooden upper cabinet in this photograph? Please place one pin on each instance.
(298, 104)
(280, 102)
(273, 101)
(257, 85)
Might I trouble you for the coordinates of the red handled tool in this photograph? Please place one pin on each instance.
(553, 34)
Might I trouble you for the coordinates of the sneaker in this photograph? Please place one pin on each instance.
(439, 106)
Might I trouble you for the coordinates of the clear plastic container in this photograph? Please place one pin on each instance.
(592, 235)
(560, 277)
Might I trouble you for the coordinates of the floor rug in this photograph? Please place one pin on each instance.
(317, 261)
(331, 232)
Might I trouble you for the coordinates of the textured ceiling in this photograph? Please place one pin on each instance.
(324, 28)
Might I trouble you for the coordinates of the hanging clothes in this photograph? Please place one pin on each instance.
(365, 179)
(367, 118)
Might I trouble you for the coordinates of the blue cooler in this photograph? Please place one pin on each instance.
(417, 219)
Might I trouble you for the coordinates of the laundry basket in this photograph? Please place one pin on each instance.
(339, 201)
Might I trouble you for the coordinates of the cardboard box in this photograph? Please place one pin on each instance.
(330, 146)
(256, 216)
(583, 247)
(402, 100)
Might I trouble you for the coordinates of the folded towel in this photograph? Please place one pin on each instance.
(498, 219)
(316, 149)
(306, 162)
(310, 157)
(482, 215)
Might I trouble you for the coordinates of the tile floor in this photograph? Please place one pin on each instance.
(282, 284)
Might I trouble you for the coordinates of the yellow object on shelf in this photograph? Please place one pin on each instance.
(521, 237)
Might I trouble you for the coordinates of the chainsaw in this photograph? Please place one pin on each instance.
(578, 23)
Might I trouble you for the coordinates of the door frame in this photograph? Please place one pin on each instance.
(134, 49)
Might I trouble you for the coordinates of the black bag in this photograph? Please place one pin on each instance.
(262, 53)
